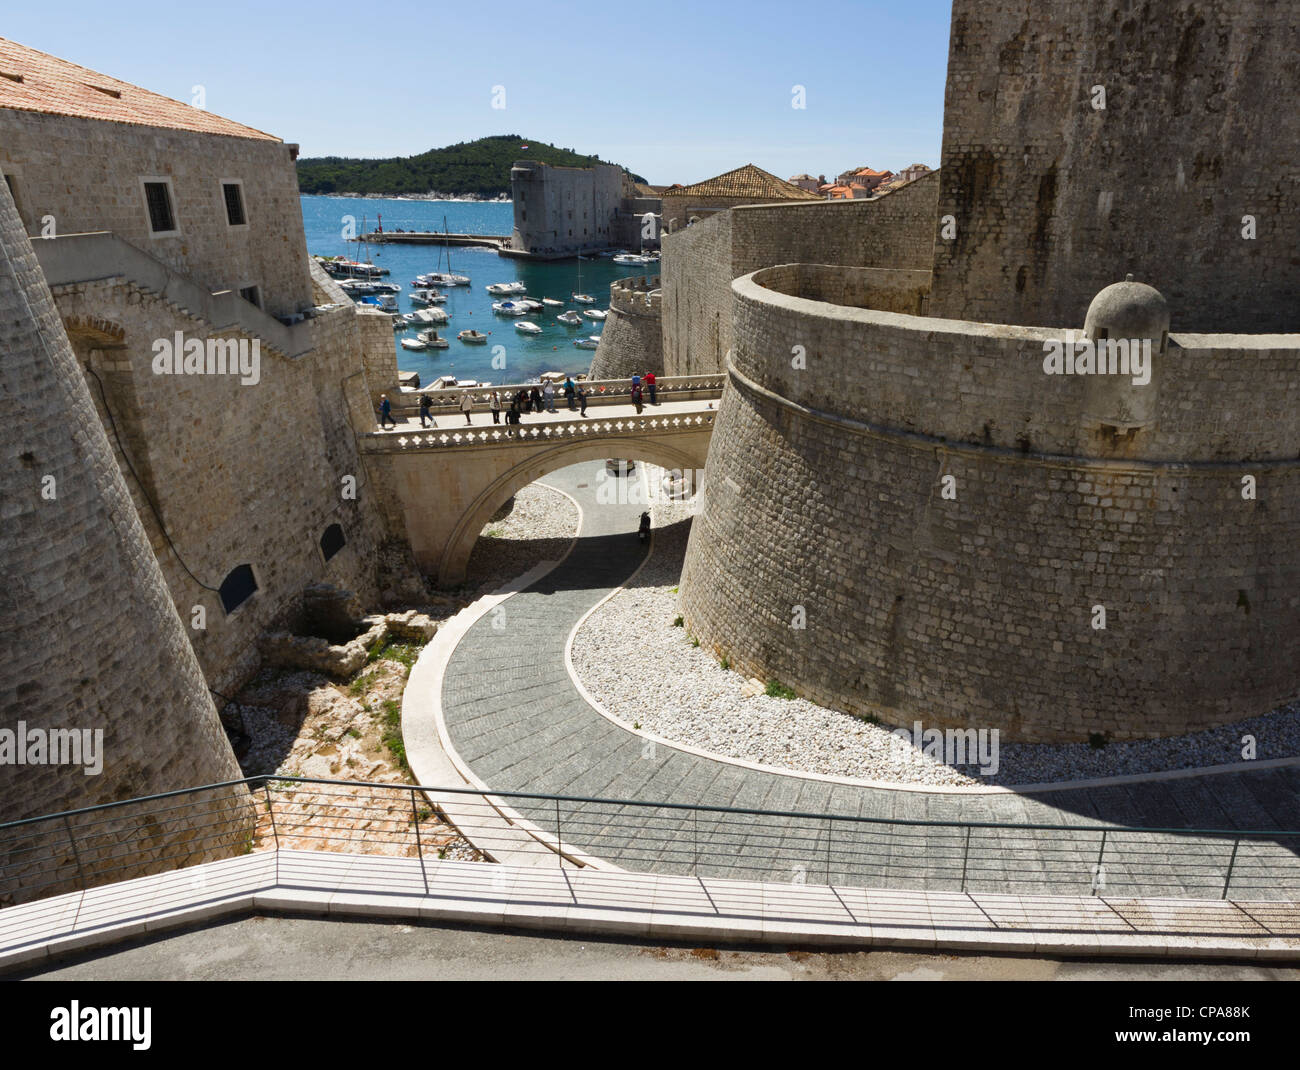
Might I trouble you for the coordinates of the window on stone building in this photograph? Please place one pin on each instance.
(233, 192)
(252, 295)
(237, 588)
(158, 199)
(332, 541)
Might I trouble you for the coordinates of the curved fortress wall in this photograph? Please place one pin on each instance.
(826, 501)
(1053, 197)
(632, 339)
(91, 638)
(699, 262)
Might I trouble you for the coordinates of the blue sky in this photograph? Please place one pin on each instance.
(676, 91)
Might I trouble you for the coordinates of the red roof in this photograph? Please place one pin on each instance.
(38, 82)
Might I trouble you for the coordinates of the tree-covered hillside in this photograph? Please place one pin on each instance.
(479, 167)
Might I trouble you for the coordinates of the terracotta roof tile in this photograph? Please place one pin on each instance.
(38, 82)
(748, 181)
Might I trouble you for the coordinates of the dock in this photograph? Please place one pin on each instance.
(429, 237)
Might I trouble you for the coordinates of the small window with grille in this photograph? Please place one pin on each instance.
(158, 200)
(234, 195)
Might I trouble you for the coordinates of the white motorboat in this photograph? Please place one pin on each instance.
(552, 377)
(594, 313)
(465, 384)
(429, 316)
(433, 340)
(505, 289)
(630, 258)
(472, 337)
(552, 303)
(587, 343)
(569, 319)
(443, 382)
(428, 297)
(387, 303)
(509, 308)
(531, 304)
(358, 287)
(386, 288)
(527, 327)
(584, 299)
(417, 344)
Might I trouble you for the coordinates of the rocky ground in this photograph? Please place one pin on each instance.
(303, 724)
(647, 672)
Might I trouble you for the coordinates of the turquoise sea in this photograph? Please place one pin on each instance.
(469, 306)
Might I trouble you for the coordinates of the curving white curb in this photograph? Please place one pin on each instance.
(433, 757)
(889, 785)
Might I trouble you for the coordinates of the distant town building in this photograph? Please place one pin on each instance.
(744, 185)
(807, 182)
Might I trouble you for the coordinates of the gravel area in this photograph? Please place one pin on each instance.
(539, 528)
(645, 671)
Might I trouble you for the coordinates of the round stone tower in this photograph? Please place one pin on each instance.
(631, 342)
(93, 644)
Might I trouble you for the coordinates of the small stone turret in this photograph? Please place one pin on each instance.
(1128, 323)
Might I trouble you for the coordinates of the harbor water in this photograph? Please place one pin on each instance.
(470, 307)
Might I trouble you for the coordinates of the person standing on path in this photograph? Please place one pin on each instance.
(568, 392)
(636, 393)
(549, 391)
(636, 380)
(582, 400)
(534, 400)
(496, 407)
(466, 406)
(650, 385)
(385, 412)
(426, 404)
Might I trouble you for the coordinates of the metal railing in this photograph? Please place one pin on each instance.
(98, 845)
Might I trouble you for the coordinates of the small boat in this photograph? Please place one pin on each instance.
(552, 377)
(526, 327)
(569, 319)
(417, 344)
(531, 304)
(426, 316)
(509, 308)
(630, 258)
(386, 303)
(428, 297)
(465, 384)
(433, 340)
(551, 302)
(587, 343)
(594, 313)
(357, 287)
(472, 337)
(505, 289)
(443, 382)
(584, 299)
(386, 288)
(446, 278)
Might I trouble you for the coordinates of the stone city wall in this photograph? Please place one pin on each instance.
(1053, 198)
(227, 474)
(91, 637)
(87, 174)
(893, 231)
(826, 501)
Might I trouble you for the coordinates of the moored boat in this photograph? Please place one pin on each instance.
(504, 289)
(569, 319)
(472, 337)
(527, 327)
(594, 313)
(433, 340)
(584, 299)
(509, 308)
(587, 343)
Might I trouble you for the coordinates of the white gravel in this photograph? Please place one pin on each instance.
(646, 672)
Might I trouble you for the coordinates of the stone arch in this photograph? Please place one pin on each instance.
(459, 546)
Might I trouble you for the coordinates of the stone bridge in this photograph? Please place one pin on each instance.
(443, 484)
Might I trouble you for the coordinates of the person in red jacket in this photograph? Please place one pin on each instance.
(650, 385)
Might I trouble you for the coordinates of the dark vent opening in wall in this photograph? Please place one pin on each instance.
(237, 588)
(332, 541)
